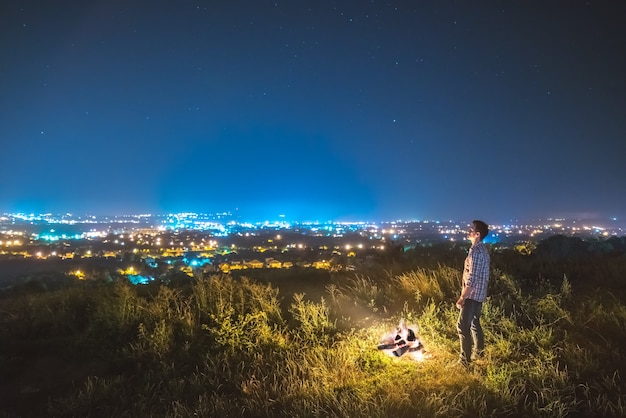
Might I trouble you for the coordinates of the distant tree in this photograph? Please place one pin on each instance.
(600, 246)
(526, 247)
(560, 246)
(618, 244)
(130, 257)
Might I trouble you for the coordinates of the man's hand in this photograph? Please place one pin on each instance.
(460, 302)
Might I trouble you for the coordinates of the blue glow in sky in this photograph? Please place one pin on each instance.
(348, 110)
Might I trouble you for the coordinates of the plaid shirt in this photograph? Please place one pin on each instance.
(476, 272)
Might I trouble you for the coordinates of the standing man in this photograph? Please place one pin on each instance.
(475, 281)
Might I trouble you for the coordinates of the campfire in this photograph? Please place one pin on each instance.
(403, 342)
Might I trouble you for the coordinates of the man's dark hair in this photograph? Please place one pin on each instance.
(481, 227)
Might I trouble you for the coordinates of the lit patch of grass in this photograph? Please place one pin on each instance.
(436, 285)
(366, 291)
(312, 319)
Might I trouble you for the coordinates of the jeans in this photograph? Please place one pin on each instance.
(470, 331)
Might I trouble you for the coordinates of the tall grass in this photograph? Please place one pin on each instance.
(435, 285)
(225, 347)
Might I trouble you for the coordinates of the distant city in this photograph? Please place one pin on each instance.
(192, 242)
(18, 229)
(53, 227)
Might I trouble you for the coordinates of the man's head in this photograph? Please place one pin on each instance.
(478, 230)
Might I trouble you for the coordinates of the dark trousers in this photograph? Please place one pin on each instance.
(470, 331)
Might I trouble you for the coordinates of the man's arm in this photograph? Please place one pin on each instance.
(461, 301)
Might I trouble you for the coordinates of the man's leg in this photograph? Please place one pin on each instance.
(477, 331)
(466, 316)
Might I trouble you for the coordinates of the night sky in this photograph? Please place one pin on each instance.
(316, 110)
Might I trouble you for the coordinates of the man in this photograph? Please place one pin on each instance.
(475, 281)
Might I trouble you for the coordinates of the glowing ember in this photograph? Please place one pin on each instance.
(403, 342)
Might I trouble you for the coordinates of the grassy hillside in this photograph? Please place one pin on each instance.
(294, 344)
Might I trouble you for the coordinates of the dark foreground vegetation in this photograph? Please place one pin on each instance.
(303, 344)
